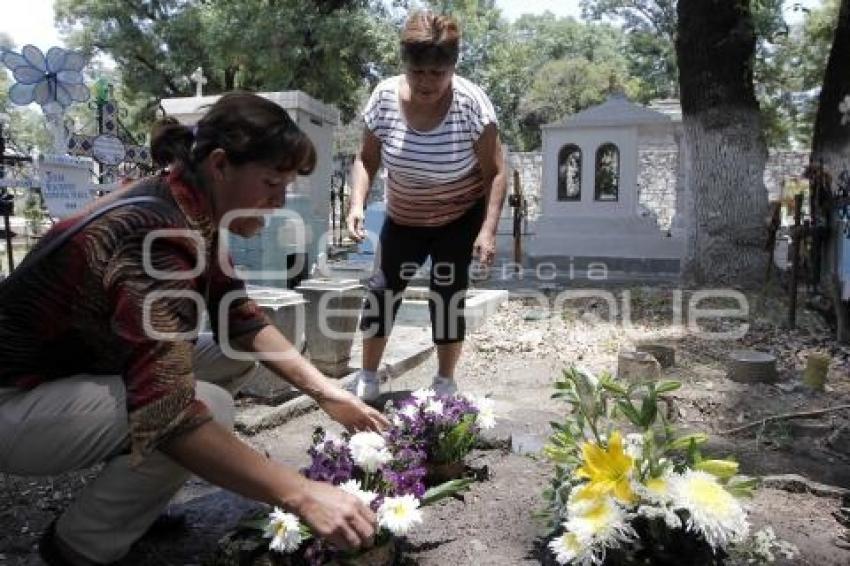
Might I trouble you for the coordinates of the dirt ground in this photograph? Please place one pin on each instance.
(515, 357)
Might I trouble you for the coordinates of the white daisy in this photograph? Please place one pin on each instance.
(713, 511)
(410, 411)
(422, 395)
(434, 406)
(569, 549)
(369, 450)
(671, 519)
(354, 488)
(285, 531)
(655, 490)
(399, 514)
(599, 520)
(486, 412)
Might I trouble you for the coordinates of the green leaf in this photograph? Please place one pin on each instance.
(444, 490)
(685, 442)
(629, 411)
(648, 409)
(723, 469)
(742, 486)
(694, 455)
(612, 386)
(456, 443)
(668, 386)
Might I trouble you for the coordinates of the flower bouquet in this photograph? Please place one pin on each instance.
(645, 497)
(366, 466)
(437, 432)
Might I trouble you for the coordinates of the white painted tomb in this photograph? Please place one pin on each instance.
(589, 211)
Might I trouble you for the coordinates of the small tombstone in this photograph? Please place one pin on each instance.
(817, 366)
(666, 355)
(200, 80)
(750, 366)
(637, 366)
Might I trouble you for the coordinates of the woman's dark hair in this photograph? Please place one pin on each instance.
(247, 127)
(430, 39)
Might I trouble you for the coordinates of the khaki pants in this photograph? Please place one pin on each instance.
(79, 421)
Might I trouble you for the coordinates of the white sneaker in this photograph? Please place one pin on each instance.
(444, 386)
(367, 389)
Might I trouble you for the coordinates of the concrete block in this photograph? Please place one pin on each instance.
(332, 312)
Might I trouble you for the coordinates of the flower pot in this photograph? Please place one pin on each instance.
(440, 473)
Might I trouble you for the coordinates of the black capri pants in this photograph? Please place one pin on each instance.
(401, 252)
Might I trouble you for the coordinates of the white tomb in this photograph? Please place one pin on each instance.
(263, 260)
(589, 211)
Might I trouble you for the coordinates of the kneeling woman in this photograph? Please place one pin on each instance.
(99, 360)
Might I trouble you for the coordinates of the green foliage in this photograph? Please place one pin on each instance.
(789, 73)
(454, 444)
(556, 67)
(446, 489)
(326, 49)
(788, 66)
(650, 28)
(33, 212)
(539, 69)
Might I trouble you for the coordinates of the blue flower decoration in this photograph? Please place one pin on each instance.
(56, 79)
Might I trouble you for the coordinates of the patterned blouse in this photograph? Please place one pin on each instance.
(110, 301)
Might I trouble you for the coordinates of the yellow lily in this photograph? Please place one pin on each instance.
(608, 470)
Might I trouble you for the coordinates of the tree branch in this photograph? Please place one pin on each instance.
(785, 417)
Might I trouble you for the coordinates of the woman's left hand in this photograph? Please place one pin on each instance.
(352, 413)
(484, 247)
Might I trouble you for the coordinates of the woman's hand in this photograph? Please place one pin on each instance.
(356, 225)
(337, 516)
(349, 411)
(484, 247)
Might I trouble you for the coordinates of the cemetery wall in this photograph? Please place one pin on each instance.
(656, 178)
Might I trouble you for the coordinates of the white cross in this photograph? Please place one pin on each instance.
(198, 78)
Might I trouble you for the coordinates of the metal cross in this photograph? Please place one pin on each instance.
(107, 147)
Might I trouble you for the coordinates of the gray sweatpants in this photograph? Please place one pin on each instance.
(79, 421)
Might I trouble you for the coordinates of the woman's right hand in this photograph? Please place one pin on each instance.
(336, 516)
(356, 225)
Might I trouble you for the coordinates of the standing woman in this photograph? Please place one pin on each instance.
(99, 358)
(436, 134)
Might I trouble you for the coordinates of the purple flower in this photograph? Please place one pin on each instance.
(330, 460)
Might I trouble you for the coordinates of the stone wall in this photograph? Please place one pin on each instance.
(780, 166)
(530, 166)
(657, 172)
(657, 183)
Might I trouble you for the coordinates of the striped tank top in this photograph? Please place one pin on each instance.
(433, 176)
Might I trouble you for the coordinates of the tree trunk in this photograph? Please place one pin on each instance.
(724, 148)
(830, 146)
(831, 140)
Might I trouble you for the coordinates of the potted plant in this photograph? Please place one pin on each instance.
(439, 431)
(642, 497)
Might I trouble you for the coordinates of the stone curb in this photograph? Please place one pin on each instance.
(798, 484)
(255, 419)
